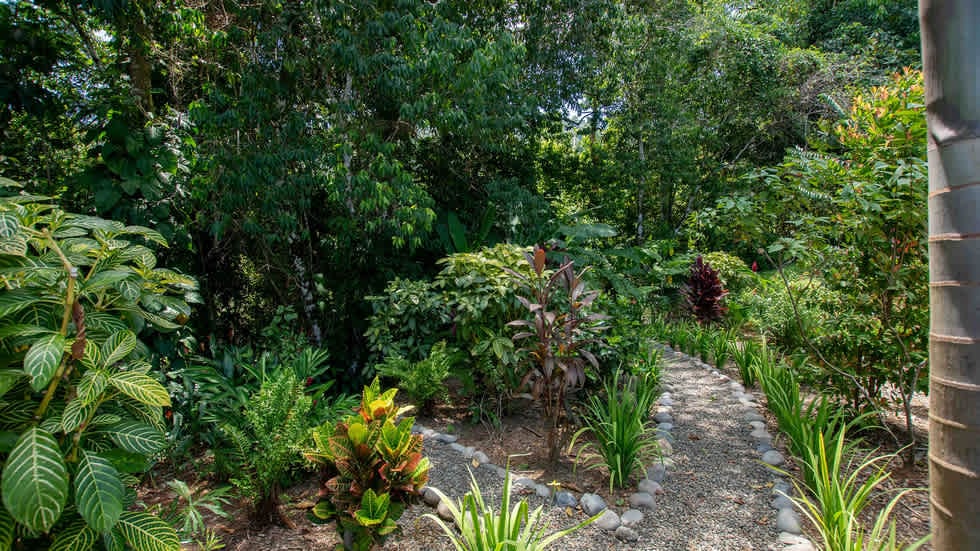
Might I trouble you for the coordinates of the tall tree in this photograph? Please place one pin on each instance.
(950, 49)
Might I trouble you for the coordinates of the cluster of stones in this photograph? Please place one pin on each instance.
(787, 519)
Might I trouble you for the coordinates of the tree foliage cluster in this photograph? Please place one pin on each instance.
(307, 157)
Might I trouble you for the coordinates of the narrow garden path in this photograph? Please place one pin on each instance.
(711, 493)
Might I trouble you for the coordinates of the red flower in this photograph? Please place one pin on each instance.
(755, 266)
(309, 381)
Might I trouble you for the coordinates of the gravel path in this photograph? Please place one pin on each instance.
(712, 492)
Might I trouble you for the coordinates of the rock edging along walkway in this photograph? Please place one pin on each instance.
(710, 491)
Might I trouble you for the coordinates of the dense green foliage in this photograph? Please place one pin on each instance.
(366, 178)
(82, 405)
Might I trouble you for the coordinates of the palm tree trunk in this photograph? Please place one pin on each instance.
(950, 51)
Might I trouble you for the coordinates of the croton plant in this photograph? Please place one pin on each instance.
(373, 467)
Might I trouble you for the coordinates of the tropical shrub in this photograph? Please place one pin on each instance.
(482, 529)
(703, 293)
(373, 467)
(423, 380)
(620, 427)
(732, 270)
(82, 408)
(560, 329)
(266, 440)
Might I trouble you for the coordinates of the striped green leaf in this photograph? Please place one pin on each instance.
(92, 384)
(98, 492)
(151, 235)
(76, 412)
(22, 330)
(106, 279)
(146, 532)
(6, 530)
(9, 378)
(130, 289)
(114, 541)
(117, 347)
(92, 357)
(105, 419)
(136, 437)
(16, 300)
(9, 225)
(35, 481)
(15, 245)
(140, 387)
(43, 358)
(77, 537)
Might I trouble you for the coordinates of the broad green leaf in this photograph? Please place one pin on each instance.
(6, 530)
(114, 541)
(9, 225)
(141, 388)
(105, 323)
(15, 245)
(159, 322)
(151, 235)
(147, 532)
(130, 289)
(8, 378)
(77, 537)
(22, 330)
(106, 279)
(98, 492)
(117, 347)
(43, 358)
(17, 413)
(92, 357)
(65, 233)
(76, 412)
(127, 462)
(105, 419)
(35, 481)
(136, 437)
(92, 384)
(94, 223)
(16, 300)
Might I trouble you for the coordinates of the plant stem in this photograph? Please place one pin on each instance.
(66, 317)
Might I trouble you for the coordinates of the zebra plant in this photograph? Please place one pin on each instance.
(80, 407)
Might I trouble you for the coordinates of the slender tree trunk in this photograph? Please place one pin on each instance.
(951, 51)
(639, 195)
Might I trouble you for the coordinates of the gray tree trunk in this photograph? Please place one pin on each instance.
(951, 62)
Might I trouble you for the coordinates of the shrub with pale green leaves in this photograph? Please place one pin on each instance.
(81, 408)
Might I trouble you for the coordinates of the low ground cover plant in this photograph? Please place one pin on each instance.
(480, 528)
(618, 423)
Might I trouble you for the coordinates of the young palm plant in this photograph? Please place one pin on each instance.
(482, 529)
(619, 423)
